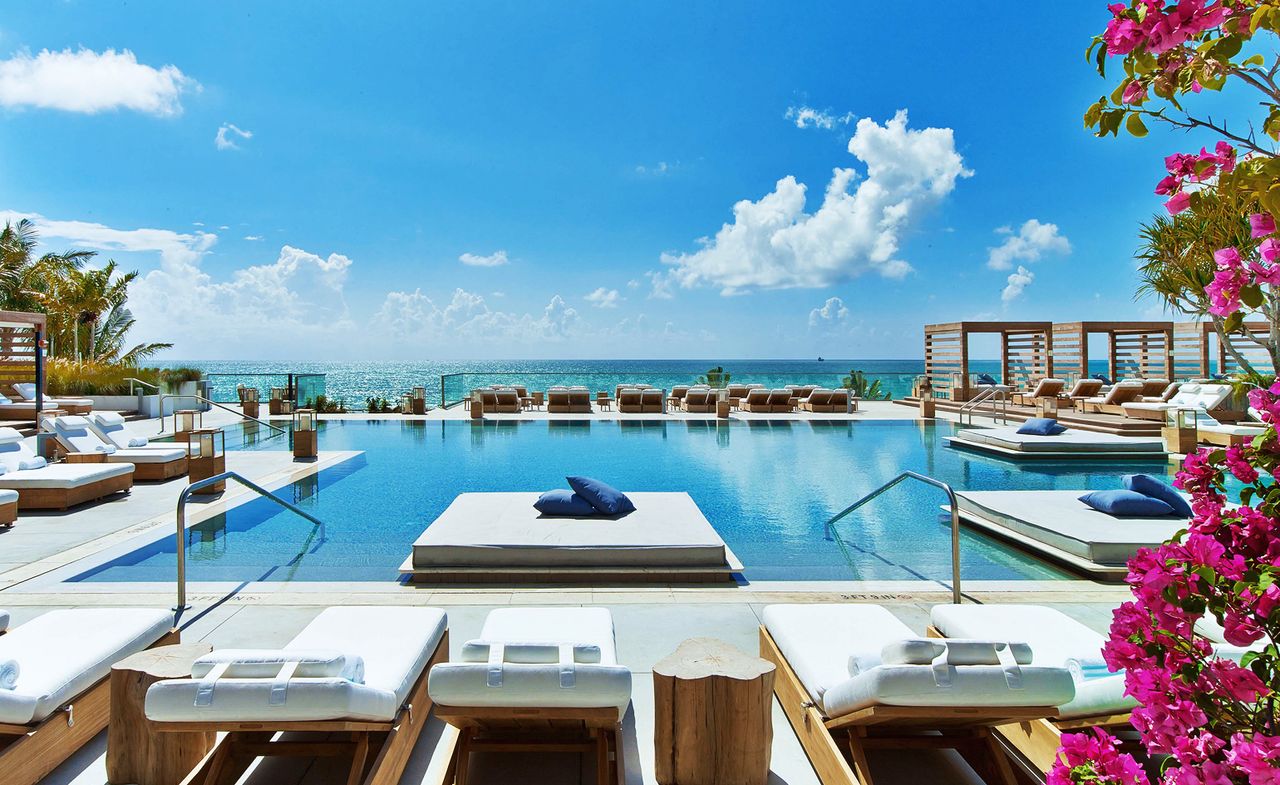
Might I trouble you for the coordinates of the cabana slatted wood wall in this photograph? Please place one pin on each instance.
(1134, 349)
(1191, 349)
(21, 359)
(1024, 353)
(1256, 355)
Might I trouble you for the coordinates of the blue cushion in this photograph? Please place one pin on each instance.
(604, 498)
(1042, 426)
(1102, 377)
(1156, 488)
(563, 502)
(986, 378)
(1121, 502)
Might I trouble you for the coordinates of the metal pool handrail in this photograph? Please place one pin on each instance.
(997, 393)
(182, 526)
(279, 431)
(133, 380)
(955, 520)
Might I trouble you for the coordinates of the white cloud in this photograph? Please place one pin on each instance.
(1032, 241)
(495, 259)
(604, 298)
(774, 243)
(832, 314)
(253, 237)
(227, 135)
(90, 82)
(657, 170)
(1018, 281)
(661, 285)
(808, 117)
(468, 318)
(634, 283)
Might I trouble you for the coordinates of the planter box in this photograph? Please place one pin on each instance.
(146, 405)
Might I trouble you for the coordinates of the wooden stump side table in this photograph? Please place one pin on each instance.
(713, 715)
(136, 752)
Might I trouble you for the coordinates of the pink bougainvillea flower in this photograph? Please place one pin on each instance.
(1262, 224)
(1135, 93)
(1168, 185)
(1178, 203)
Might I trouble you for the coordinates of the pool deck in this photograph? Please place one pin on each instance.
(651, 621)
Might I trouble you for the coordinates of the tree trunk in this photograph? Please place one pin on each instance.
(91, 340)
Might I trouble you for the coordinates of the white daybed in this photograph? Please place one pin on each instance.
(57, 486)
(1192, 395)
(357, 671)
(1058, 525)
(60, 699)
(1055, 640)
(500, 537)
(75, 436)
(110, 427)
(550, 671)
(1073, 443)
(851, 676)
(27, 392)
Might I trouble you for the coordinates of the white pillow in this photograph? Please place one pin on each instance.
(529, 653)
(266, 664)
(34, 462)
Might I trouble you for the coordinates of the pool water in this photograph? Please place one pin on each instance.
(766, 486)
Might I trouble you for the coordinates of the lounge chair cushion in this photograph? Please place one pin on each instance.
(566, 682)
(817, 641)
(65, 652)
(564, 503)
(395, 644)
(1150, 486)
(1041, 426)
(1055, 639)
(986, 378)
(7, 496)
(1102, 377)
(1120, 502)
(63, 475)
(605, 498)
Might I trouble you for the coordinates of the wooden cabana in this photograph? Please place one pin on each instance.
(1024, 354)
(1142, 350)
(1198, 354)
(22, 338)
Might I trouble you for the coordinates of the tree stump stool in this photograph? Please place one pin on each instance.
(713, 715)
(136, 752)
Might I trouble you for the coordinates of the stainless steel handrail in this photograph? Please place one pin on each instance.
(182, 526)
(279, 431)
(133, 380)
(992, 395)
(955, 520)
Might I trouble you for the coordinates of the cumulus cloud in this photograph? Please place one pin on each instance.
(90, 82)
(657, 170)
(604, 298)
(660, 285)
(253, 237)
(1032, 241)
(227, 135)
(1018, 281)
(808, 117)
(832, 314)
(774, 243)
(496, 259)
(468, 317)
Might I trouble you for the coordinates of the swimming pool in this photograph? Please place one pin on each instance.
(767, 487)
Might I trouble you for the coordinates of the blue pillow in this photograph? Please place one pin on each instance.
(562, 502)
(1102, 377)
(604, 498)
(1121, 502)
(1156, 488)
(1042, 426)
(986, 378)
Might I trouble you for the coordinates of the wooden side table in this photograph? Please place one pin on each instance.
(136, 752)
(713, 715)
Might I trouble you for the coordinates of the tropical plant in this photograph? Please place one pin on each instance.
(29, 282)
(380, 406)
(65, 376)
(864, 388)
(715, 377)
(323, 405)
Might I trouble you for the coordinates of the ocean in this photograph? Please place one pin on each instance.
(354, 382)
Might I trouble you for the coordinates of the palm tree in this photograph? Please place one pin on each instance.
(27, 281)
(84, 297)
(864, 388)
(109, 340)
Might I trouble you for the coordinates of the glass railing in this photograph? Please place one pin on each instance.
(224, 386)
(456, 387)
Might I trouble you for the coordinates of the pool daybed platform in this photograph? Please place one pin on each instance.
(501, 538)
(1071, 443)
(1061, 528)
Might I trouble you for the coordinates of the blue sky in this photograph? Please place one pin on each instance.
(575, 154)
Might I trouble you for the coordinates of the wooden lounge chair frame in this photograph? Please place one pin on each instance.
(63, 498)
(143, 471)
(1037, 741)
(837, 746)
(526, 729)
(28, 753)
(379, 750)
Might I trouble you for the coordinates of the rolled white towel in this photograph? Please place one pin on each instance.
(1087, 668)
(9, 671)
(266, 664)
(138, 441)
(32, 463)
(104, 448)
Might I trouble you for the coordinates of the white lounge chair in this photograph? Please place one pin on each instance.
(1047, 387)
(25, 410)
(61, 697)
(1112, 401)
(355, 670)
(1056, 640)
(110, 427)
(75, 435)
(851, 677)
(1203, 397)
(550, 671)
(42, 486)
(27, 392)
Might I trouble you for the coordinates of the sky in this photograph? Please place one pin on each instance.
(481, 180)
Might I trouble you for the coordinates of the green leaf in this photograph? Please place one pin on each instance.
(1134, 125)
(1118, 93)
(1100, 61)
(1251, 296)
(1227, 47)
(1233, 322)
(1254, 60)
